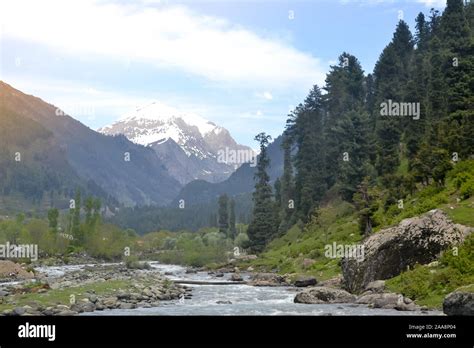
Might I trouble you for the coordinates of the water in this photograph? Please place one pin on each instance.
(246, 300)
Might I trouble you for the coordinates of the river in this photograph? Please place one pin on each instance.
(245, 300)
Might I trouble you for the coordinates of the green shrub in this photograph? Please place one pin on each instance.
(132, 262)
(467, 189)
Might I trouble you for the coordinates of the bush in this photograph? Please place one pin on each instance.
(241, 239)
(132, 262)
(467, 189)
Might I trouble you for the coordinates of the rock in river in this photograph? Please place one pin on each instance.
(305, 281)
(322, 294)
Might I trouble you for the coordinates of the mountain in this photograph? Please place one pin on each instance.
(100, 161)
(240, 182)
(189, 146)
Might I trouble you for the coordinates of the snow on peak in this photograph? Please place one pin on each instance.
(157, 111)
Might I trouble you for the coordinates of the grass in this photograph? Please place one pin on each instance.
(55, 297)
(286, 255)
(462, 212)
(338, 222)
(429, 285)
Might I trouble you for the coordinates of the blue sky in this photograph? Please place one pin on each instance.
(241, 64)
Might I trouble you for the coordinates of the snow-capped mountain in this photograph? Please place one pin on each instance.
(190, 146)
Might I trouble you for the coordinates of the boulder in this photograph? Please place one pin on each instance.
(224, 302)
(391, 251)
(321, 294)
(236, 277)
(332, 283)
(305, 281)
(387, 301)
(459, 303)
(377, 286)
(12, 270)
(127, 306)
(19, 311)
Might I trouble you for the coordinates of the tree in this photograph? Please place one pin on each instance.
(53, 215)
(223, 214)
(287, 188)
(76, 219)
(232, 227)
(305, 131)
(262, 228)
(392, 73)
(366, 204)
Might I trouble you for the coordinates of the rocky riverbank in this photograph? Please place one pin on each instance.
(93, 288)
(374, 296)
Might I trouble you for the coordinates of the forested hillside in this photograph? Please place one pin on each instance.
(376, 140)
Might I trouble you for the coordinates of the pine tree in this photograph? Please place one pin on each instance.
(263, 225)
(223, 214)
(76, 219)
(305, 130)
(287, 187)
(53, 215)
(232, 227)
(392, 74)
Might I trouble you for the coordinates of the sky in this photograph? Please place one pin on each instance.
(241, 64)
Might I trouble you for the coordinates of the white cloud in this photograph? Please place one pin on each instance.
(171, 37)
(265, 95)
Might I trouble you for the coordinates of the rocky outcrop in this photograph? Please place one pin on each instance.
(319, 294)
(390, 251)
(459, 303)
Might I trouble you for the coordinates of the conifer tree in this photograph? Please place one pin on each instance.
(262, 228)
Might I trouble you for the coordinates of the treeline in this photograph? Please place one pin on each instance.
(182, 217)
(75, 231)
(376, 139)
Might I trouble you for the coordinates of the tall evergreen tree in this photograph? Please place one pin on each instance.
(232, 227)
(53, 215)
(392, 73)
(305, 129)
(223, 214)
(287, 187)
(262, 228)
(76, 219)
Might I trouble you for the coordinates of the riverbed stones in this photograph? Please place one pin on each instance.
(302, 282)
(267, 279)
(19, 311)
(318, 295)
(387, 301)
